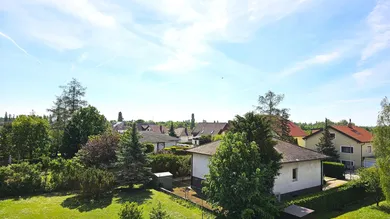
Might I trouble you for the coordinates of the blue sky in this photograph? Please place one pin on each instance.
(164, 60)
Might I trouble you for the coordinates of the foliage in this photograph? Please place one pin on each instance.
(334, 169)
(20, 179)
(5, 141)
(149, 147)
(178, 165)
(158, 212)
(64, 174)
(382, 147)
(100, 150)
(269, 102)
(238, 179)
(130, 210)
(326, 146)
(84, 123)
(30, 137)
(320, 124)
(204, 139)
(332, 199)
(94, 182)
(192, 126)
(217, 137)
(370, 179)
(132, 160)
(172, 131)
(120, 117)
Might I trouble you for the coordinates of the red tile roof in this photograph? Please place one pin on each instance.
(296, 131)
(357, 133)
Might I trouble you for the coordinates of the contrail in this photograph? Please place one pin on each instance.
(106, 62)
(20, 48)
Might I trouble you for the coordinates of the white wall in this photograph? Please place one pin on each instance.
(167, 145)
(200, 165)
(309, 175)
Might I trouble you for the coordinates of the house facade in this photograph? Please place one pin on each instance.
(354, 145)
(301, 170)
(297, 133)
(160, 141)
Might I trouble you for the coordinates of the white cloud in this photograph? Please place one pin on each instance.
(82, 57)
(362, 76)
(379, 24)
(19, 47)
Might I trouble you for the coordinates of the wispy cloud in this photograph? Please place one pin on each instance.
(82, 57)
(105, 62)
(362, 76)
(19, 47)
(379, 24)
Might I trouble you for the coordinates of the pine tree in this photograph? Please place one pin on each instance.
(326, 145)
(132, 160)
(192, 126)
(120, 117)
(6, 117)
(172, 131)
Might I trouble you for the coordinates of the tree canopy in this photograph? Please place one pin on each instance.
(326, 146)
(120, 117)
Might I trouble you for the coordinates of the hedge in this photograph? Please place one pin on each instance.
(178, 165)
(333, 199)
(334, 169)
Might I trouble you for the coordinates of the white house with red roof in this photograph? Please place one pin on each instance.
(353, 143)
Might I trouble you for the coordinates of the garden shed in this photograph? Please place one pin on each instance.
(163, 179)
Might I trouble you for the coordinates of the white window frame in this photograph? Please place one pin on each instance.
(369, 146)
(353, 163)
(349, 146)
(296, 174)
(334, 135)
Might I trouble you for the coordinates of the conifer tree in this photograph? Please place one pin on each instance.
(192, 126)
(120, 117)
(172, 131)
(6, 117)
(326, 145)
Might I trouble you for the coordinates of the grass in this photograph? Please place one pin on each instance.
(71, 206)
(371, 212)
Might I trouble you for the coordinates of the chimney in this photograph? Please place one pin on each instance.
(161, 130)
(350, 124)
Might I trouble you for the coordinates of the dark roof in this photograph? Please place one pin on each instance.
(291, 152)
(153, 128)
(205, 128)
(152, 137)
(182, 132)
(359, 134)
(119, 126)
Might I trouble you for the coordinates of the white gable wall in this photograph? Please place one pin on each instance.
(309, 175)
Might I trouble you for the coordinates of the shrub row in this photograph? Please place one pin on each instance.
(333, 199)
(334, 169)
(178, 165)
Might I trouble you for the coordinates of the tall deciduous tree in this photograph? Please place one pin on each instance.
(326, 146)
(258, 129)
(84, 123)
(240, 188)
(268, 104)
(6, 148)
(382, 147)
(120, 117)
(73, 94)
(30, 137)
(132, 160)
(172, 131)
(192, 126)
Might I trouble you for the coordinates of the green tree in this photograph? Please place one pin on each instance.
(192, 125)
(326, 146)
(130, 210)
(5, 117)
(204, 139)
(240, 187)
(382, 147)
(30, 137)
(370, 178)
(5, 141)
(132, 160)
(84, 123)
(269, 102)
(120, 117)
(73, 94)
(158, 212)
(172, 131)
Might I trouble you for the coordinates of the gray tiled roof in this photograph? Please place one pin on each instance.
(182, 132)
(209, 128)
(153, 137)
(290, 152)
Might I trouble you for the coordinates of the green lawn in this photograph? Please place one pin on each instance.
(69, 206)
(370, 212)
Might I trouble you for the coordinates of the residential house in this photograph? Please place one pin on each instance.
(301, 170)
(297, 133)
(206, 128)
(160, 141)
(183, 134)
(354, 144)
(152, 128)
(119, 127)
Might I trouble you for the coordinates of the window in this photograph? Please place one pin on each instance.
(160, 146)
(347, 149)
(295, 174)
(347, 163)
(332, 135)
(369, 149)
